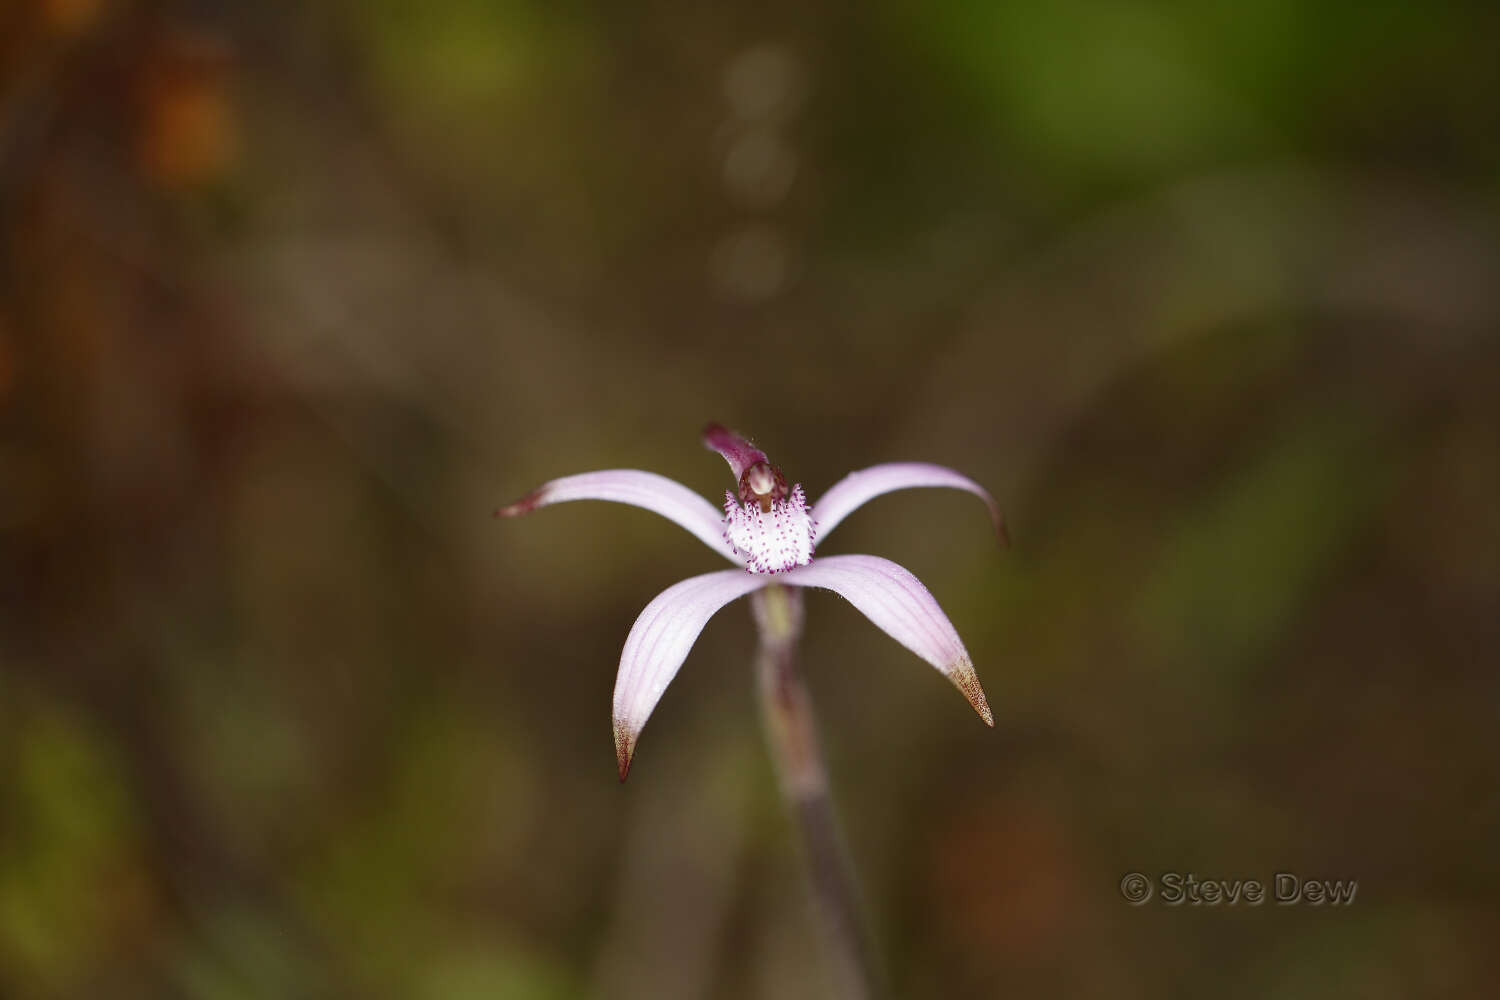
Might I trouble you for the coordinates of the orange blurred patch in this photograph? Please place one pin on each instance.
(70, 17)
(1008, 881)
(187, 135)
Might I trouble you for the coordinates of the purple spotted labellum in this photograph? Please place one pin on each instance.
(770, 529)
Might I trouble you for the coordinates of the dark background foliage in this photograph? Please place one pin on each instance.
(292, 295)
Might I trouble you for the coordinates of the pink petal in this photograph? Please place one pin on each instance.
(658, 643)
(656, 493)
(897, 603)
(857, 487)
(739, 453)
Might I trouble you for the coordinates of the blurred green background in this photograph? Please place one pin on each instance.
(293, 295)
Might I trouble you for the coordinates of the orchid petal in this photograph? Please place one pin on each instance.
(656, 493)
(660, 640)
(738, 452)
(898, 604)
(858, 487)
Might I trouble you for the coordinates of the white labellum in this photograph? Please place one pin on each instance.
(772, 541)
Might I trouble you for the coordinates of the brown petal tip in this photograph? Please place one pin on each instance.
(624, 749)
(997, 518)
(966, 680)
(525, 505)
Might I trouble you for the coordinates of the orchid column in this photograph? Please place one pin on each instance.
(770, 530)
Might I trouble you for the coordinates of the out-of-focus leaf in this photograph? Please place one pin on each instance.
(71, 884)
(1239, 569)
(492, 974)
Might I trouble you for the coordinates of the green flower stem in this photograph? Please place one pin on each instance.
(792, 732)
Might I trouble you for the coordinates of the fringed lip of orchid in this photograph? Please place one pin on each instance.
(769, 529)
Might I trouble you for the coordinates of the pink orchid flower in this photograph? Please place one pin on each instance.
(770, 531)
